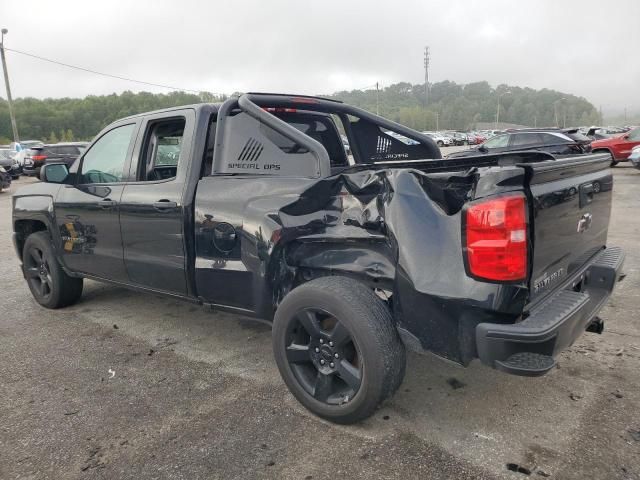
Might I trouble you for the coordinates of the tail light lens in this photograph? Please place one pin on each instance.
(38, 158)
(496, 239)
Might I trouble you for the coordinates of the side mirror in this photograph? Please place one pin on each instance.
(482, 148)
(54, 172)
(626, 137)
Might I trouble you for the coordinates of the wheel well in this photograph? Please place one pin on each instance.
(603, 150)
(24, 228)
(296, 264)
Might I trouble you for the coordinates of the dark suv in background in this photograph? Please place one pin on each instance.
(36, 157)
(552, 140)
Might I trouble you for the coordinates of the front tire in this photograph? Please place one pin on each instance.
(49, 284)
(337, 348)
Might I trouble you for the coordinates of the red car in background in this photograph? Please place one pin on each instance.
(619, 146)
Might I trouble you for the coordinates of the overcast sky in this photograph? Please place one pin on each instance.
(588, 48)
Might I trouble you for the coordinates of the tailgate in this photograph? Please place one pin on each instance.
(571, 205)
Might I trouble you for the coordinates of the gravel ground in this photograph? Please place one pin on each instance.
(127, 385)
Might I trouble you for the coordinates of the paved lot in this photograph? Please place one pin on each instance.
(195, 394)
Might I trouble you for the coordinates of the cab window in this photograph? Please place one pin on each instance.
(161, 150)
(105, 161)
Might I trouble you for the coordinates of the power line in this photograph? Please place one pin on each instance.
(101, 73)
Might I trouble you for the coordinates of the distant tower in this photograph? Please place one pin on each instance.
(426, 76)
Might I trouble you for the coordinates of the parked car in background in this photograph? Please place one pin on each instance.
(576, 135)
(8, 162)
(634, 158)
(54, 153)
(22, 149)
(618, 146)
(458, 138)
(471, 138)
(5, 179)
(552, 141)
(480, 137)
(441, 140)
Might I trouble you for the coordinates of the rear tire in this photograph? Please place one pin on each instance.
(337, 348)
(49, 284)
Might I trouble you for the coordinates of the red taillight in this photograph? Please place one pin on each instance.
(38, 158)
(496, 238)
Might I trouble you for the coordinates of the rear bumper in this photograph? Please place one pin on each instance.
(529, 347)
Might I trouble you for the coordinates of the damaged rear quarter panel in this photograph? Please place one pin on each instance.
(395, 229)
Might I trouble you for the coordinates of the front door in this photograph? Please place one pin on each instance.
(87, 212)
(152, 211)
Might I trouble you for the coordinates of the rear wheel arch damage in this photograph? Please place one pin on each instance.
(297, 263)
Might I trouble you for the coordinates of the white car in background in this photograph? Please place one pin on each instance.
(634, 158)
(22, 148)
(441, 140)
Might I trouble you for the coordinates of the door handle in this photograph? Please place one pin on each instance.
(106, 203)
(164, 205)
(586, 194)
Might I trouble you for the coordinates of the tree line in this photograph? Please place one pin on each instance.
(69, 119)
(448, 106)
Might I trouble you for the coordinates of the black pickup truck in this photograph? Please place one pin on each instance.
(254, 207)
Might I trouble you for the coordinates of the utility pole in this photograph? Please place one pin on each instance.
(6, 82)
(601, 117)
(426, 76)
(498, 110)
(377, 99)
(625, 115)
(437, 121)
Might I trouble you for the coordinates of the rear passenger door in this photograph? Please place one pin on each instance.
(152, 211)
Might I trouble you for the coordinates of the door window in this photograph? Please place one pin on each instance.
(499, 141)
(161, 150)
(526, 139)
(105, 161)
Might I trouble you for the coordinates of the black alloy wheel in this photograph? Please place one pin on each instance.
(337, 348)
(38, 272)
(50, 285)
(323, 357)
